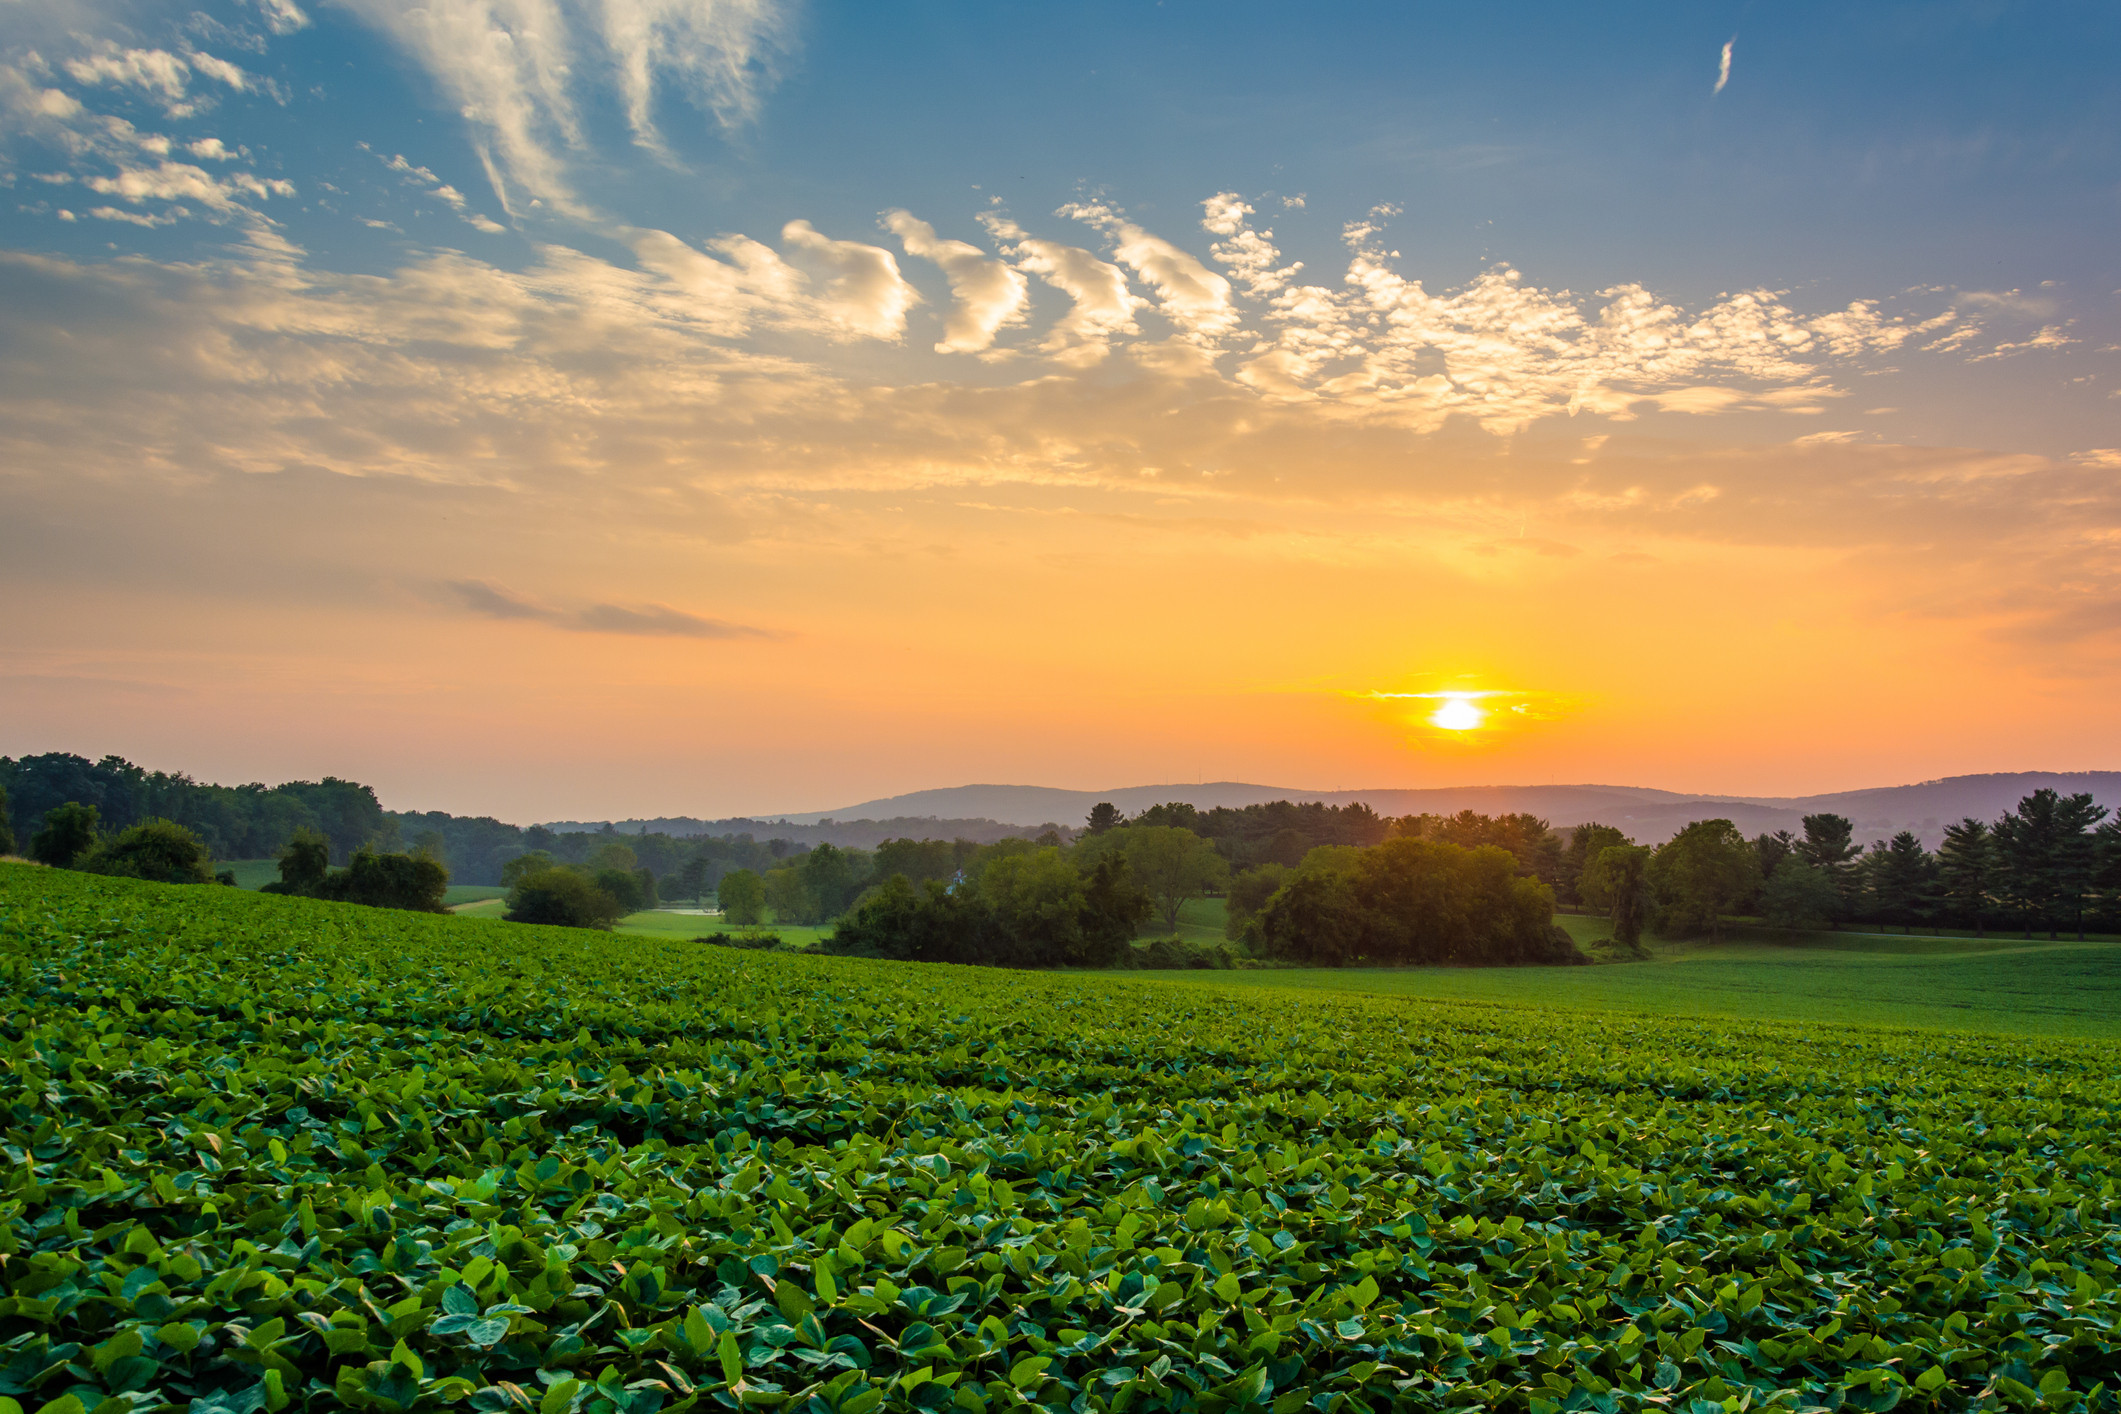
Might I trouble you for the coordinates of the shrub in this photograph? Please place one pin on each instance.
(557, 894)
(158, 850)
(410, 881)
(1173, 954)
(304, 864)
(69, 832)
(753, 942)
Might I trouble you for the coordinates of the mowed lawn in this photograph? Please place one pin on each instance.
(2006, 985)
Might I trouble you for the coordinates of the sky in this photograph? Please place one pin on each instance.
(605, 408)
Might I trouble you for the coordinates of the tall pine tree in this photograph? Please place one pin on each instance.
(1966, 867)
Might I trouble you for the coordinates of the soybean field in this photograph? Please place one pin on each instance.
(272, 1153)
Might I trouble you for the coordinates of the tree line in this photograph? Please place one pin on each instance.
(2051, 864)
(70, 835)
(232, 822)
(258, 821)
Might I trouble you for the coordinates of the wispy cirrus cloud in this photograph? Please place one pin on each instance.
(492, 601)
(519, 71)
(423, 179)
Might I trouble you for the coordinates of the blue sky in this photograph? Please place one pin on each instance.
(792, 283)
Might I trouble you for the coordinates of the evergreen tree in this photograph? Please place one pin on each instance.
(1799, 896)
(2076, 863)
(1966, 868)
(1903, 879)
(1829, 844)
(2050, 858)
(2106, 882)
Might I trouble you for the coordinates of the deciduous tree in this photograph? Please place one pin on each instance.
(1175, 865)
(1586, 843)
(1616, 880)
(1700, 874)
(742, 896)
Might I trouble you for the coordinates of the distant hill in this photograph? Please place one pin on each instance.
(1648, 814)
(812, 830)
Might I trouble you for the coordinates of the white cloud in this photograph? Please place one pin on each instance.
(134, 218)
(721, 51)
(2049, 337)
(726, 296)
(210, 149)
(1251, 254)
(180, 181)
(1103, 305)
(1723, 66)
(425, 180)
(219, 70)
(988, 294)
(864, 292)
(1189, 294)
(515, 68)
(156, 72)
(282, 16)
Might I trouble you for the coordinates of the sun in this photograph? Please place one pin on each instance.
(1457, 714)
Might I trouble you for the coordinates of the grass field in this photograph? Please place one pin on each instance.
(270, 1153)
(656, 923)
(257, 873)
(251, 873)
(2061, 989)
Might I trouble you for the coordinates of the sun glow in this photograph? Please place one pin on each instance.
(1471, 714)
(1457, 713)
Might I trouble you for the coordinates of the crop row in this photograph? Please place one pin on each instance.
(268, 1153)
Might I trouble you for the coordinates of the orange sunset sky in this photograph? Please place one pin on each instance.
(724, 408)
